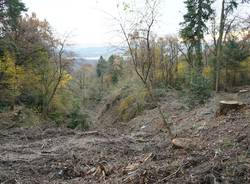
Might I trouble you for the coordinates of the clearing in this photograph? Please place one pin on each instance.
(138, 151)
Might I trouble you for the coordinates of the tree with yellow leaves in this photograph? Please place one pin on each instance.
(11, 76)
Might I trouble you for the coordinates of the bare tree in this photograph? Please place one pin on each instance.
(187, 51)
(169, 52)
(60, 62)
(225, 24)
(139, 39)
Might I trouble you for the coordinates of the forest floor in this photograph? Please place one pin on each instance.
(138, 151)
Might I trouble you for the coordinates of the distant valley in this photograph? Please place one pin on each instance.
(90, 55)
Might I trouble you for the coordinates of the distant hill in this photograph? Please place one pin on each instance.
(82, 61)
(94, 53)
(90, 55)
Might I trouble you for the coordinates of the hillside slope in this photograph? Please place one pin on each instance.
(138, 151)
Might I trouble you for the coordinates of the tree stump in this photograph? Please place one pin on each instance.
(243, 91)
(226, 106)
(244, 96)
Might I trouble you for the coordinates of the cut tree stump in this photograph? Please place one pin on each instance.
(244, 96)
(243, 91)
(226, 106)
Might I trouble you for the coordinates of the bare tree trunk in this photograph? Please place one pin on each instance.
(219, 46)
(60, 67)
(144, 69)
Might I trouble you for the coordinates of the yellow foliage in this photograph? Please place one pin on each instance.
(31, 80)
(62, 101)
(141, 96)
(159, 75)
(125, 103)
(66, 78)
(208, 72)
(14, 74)
(182, 68)
(107, 79)
(132, 104)
(245, 65)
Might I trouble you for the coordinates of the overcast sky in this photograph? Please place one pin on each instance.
(88, 22)
(90, 25)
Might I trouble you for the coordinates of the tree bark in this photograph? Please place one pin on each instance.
(219, 46)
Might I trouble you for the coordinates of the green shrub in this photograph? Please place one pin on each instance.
(78, 120)
(160, 92)
(57, 117)
(125, 105)
(133, 102)
(29, 117)
(199, 90)
(4, 106)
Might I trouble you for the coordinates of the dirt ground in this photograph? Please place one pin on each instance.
(138, 151)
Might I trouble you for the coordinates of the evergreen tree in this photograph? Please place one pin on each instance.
(101, 67)
(114, 70)
(194, 26)
(10, 11)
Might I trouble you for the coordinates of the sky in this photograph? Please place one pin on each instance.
(89, 23)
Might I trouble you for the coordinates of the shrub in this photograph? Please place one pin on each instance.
(123, 109)
(78, 119)
(4, 106)
(199, 90)
(161, 92)
(29, 117)
(133, 103)
(57, 117)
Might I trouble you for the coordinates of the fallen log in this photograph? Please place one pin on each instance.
(88, 133)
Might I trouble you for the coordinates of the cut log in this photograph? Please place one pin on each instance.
(226, 106)
(183, 143)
